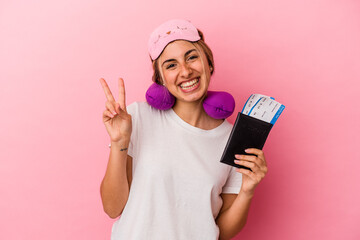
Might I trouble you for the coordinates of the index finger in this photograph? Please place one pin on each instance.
(107, 90)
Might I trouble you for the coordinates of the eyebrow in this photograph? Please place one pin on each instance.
(187, 53)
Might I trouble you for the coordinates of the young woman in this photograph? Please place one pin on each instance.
(164, 175)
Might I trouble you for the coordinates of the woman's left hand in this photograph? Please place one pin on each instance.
(250, 179)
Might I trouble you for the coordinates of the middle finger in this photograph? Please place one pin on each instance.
(250, 158)
(122, 98)
(252, 165)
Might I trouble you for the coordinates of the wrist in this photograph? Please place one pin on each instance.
(122, 144)
(247, 194)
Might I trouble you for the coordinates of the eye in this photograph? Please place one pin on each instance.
(170, 66)
(193, 57)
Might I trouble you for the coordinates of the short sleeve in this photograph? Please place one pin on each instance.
(233, 182)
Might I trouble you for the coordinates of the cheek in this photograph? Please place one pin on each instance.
(198, 66)
(170, 77)
(203, 69)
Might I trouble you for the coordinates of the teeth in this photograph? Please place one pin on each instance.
(188, 84)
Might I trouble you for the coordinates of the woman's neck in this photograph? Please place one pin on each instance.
(194, 114)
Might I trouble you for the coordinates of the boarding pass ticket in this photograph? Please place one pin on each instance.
(263, 107)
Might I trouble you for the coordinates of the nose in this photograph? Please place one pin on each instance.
(186, 70)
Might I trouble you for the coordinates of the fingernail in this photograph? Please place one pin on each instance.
(246, 150)
(236, 161)
(114, 112)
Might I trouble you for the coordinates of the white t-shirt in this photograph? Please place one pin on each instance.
(177, 178)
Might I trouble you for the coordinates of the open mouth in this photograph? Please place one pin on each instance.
(190, 84)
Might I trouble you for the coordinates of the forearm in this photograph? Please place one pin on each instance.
(232, 220)
(114, 188)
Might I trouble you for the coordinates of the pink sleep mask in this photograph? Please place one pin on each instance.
(175, 29)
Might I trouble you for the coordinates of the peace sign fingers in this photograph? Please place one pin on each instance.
(117, 121)
(107, 90)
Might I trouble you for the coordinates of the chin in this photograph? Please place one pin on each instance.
(198, 96)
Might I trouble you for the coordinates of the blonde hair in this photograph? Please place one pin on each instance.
(157, 78)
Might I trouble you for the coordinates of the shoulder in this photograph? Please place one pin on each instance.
(227, 126)
(138, 107)
(134, 106)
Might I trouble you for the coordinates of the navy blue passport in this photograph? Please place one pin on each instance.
(247, 132)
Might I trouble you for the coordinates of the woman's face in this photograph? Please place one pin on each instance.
(185, 70)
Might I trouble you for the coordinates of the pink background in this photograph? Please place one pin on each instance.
(54, 150)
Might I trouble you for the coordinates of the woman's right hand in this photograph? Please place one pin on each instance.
(116, 119)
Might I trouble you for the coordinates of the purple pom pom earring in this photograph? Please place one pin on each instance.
(218, 105)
